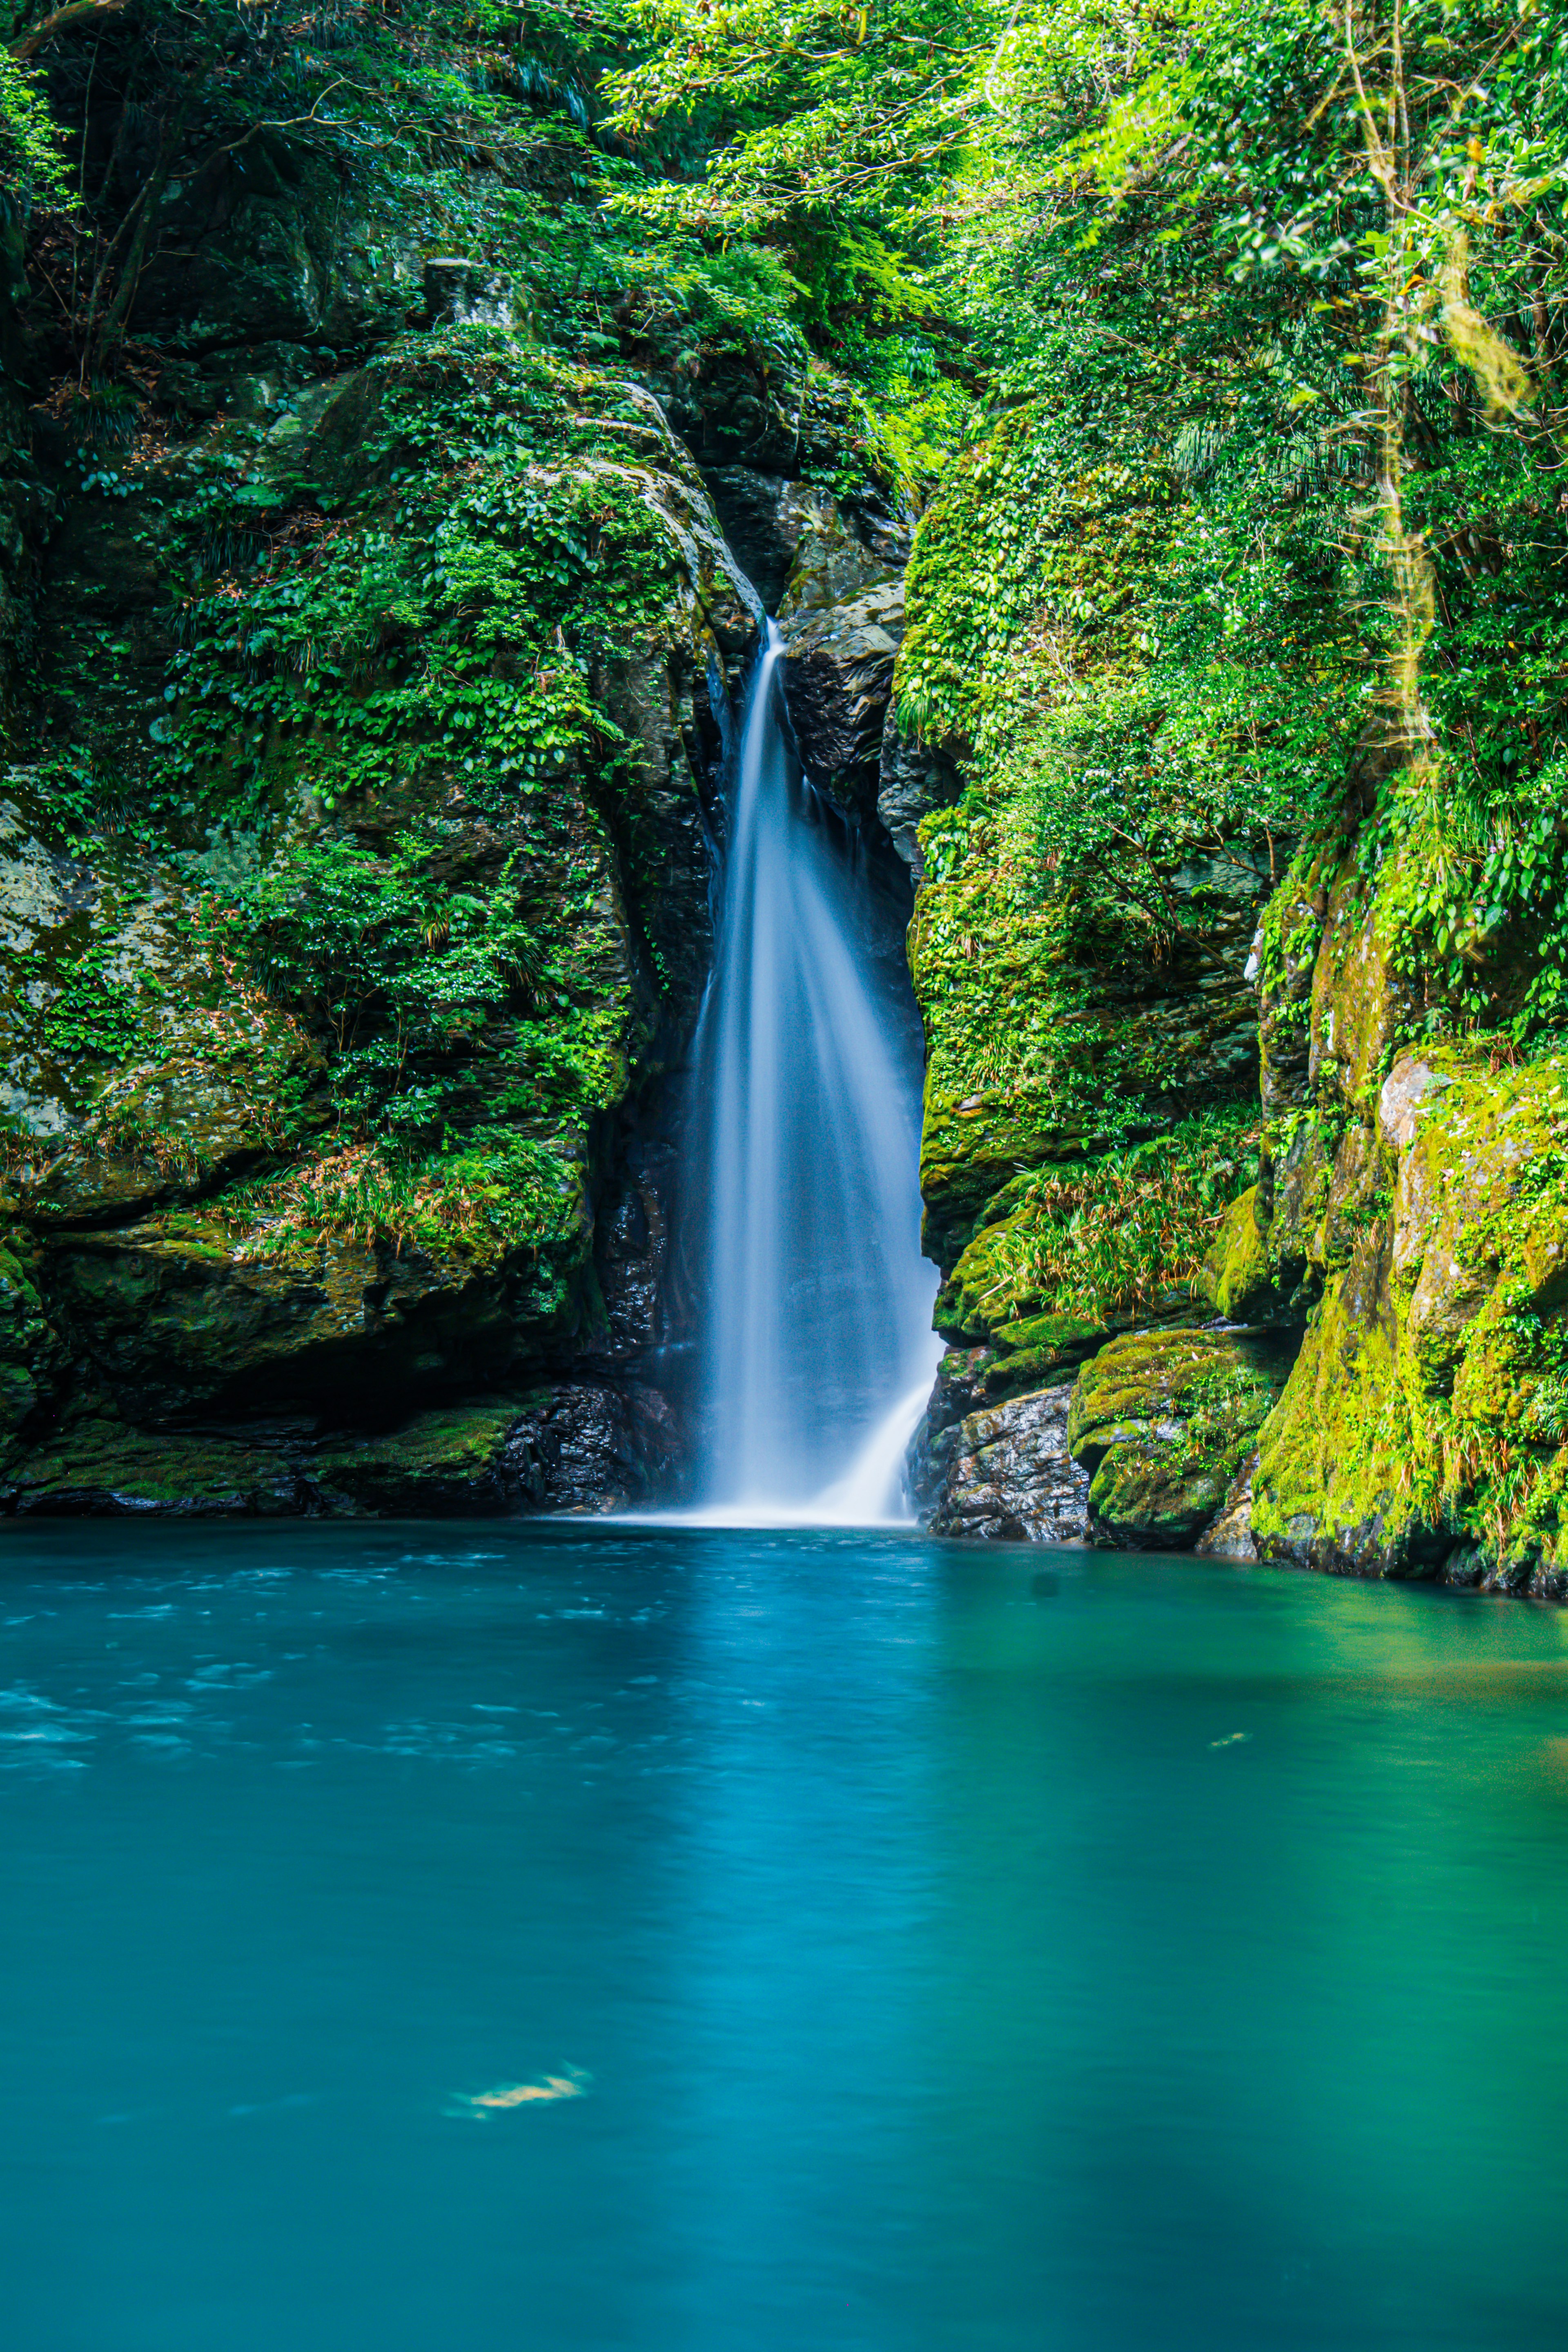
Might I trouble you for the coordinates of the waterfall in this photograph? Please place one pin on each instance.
(818, 1350)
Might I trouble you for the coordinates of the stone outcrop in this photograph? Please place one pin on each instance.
(842, 616)
(1005, 1474)
(1163, 1422)
(202, 1305)
(1421, 1432)
(913, 779)
(838, 681)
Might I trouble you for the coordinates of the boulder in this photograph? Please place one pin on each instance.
(1230, 1536)
(1008, 1476)
(838, 681)
(958, 1389)
(598, 1448)
(1161, 1422)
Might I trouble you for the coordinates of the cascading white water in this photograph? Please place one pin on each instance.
(818, 1346)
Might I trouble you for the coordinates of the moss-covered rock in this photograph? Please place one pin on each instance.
(1163, 1422)
(581, 1447)
(1230, 1535)
(1332, 1483)
(1362, 1003)
(1077, 992)
(183, 1311)
(98, 1466)
(456, 1461)
(1237, 1276)
(1424, 1420)
(238, 1213)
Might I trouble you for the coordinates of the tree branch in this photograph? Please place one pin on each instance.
(63, 20)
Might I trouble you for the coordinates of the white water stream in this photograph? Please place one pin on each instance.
(818, 1349)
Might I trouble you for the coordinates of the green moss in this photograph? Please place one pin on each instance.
(1163, 1421)
(1364, 1004)
(1054, 1334)
(1099, 1242)
(1078, 948)
(1429, 1405)
(102, 1468)
(1237, 1276)
(454, 1459)
(1332, 1487)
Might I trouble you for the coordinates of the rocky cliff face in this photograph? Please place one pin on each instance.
(355, 864)
(1246, 1246)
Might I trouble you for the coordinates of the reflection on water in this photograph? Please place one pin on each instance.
(960, 1952)
(572, 2084)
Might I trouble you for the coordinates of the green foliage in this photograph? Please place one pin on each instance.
(32, 143)
(385, 956)
(94, 1012)
(1113, 1235)
(503, 1192)
(455, 621)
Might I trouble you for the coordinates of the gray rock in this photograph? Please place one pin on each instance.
(1009, 1476)
(956, 1392)
(767, 517)
(1230, 1535)
(838, 682)
(913, 778)
(462, 292)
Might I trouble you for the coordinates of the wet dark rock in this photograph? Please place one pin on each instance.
(912, 780)
(958, 1391)
(765, 517)
(838, 683)
(591, 1448)
(577, 1446)
(1007, 1474)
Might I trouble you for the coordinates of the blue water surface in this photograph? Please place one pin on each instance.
(922, 1947)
